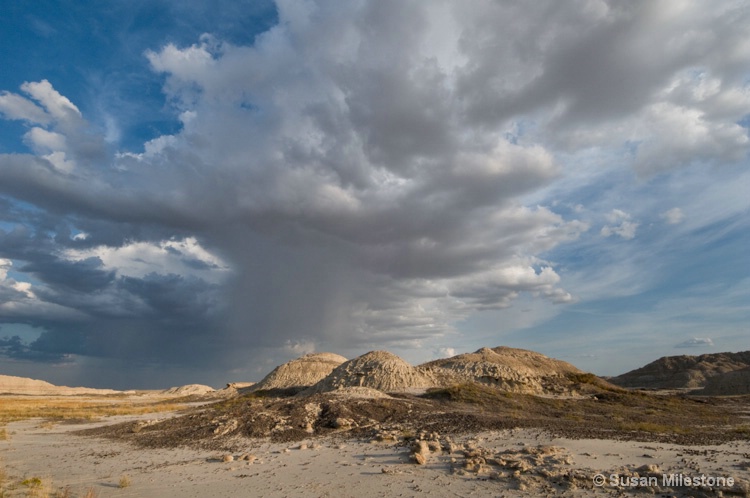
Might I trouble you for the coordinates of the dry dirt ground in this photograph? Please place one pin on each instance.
(470, 441)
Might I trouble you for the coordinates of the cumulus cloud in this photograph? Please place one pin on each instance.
(14, 106)
(350, 178)
(620, 223)
(673, 216)
(696, 342)
(57, 105)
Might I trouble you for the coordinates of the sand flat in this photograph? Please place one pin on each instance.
(337, 467)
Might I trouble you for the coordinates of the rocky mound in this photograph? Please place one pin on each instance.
(32, 387)
(510, 369)
(188, 390)
(732, 383)
(379, 370)
(301, 373)
(677, 372)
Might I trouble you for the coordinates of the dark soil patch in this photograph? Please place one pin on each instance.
(470, 408)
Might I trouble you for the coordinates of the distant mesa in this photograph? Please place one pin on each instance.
(509, 369)
(188, 390)
(683, 372)
(32, 387)
(300, 373)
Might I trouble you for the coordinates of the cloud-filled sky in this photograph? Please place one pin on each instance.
(199, 191)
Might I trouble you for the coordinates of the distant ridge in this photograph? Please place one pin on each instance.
(509, 369)
(683, 372)
(25, 386)
(188, 390)
(734, 383)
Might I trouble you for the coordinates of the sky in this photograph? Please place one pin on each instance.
(196, 192)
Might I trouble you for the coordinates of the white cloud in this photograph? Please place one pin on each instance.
(16, 107)
(696, 342)
(43, 141)
(673, 216)
(621, 224)
(176, 256)
(295, 349)
(444, 352)
(58, 106)
(677, 135)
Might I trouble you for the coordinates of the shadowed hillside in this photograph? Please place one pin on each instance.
(678, 372)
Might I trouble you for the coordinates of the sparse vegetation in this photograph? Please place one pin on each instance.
(13, 408)
(654, 428)
(470, 393)
(63, 493)
(468, 407)
(37, 487)
(124, 482)
(32, 482)
(73, 408)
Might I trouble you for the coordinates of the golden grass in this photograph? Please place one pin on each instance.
(38, 487)
(619, 410)
(56, 409)
(20, 408)
(124, 482)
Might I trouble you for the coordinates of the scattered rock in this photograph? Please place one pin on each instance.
(420, 451)
(342, 423)
(226, 427)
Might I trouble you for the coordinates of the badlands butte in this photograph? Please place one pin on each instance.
(493, 421)
(493, 388)
(673, 398)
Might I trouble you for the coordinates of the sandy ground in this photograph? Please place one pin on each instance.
(339, 468)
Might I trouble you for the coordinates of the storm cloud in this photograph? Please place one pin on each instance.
(358, 177)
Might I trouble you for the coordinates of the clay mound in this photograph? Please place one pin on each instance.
(510, 369)
(678, 372)
(734, 383)
(379, 370)
(188, 390)
(300, 373)
(32, 387)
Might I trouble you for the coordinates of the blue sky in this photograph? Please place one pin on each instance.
(197, 192)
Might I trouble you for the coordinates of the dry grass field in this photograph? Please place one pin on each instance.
(71, 408)
(56, 409)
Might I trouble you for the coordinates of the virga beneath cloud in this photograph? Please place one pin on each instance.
(358, 176)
